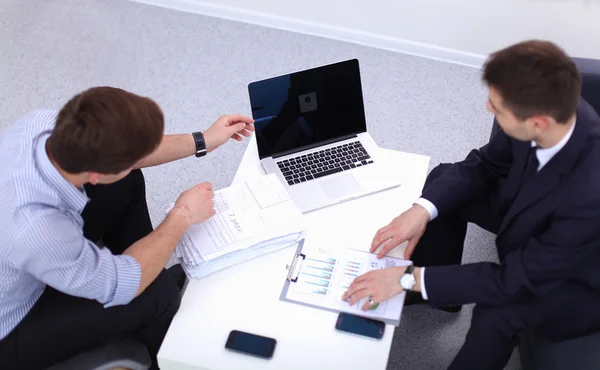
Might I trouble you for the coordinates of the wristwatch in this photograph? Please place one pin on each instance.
(200, 144)
(408, 281)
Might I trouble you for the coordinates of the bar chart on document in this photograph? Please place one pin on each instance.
(326, 274)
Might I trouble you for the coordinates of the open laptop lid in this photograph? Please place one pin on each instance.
(306, 109)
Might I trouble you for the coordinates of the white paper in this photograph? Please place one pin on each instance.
(326, 274)
(231, 259)
(246, 215)
(252, 219)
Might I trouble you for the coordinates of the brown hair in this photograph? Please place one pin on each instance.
(105, 130)
(535, 77)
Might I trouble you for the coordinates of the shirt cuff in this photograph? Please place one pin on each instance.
(433, 212)
(129, 276)
(423, 290)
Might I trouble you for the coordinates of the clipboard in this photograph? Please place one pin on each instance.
(302, 257)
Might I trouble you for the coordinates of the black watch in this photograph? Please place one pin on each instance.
(200, 144)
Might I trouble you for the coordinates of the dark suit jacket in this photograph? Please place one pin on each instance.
(550, 229)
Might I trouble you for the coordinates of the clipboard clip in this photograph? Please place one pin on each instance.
(294, 268)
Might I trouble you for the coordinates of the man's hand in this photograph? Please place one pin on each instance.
(380, 285)
(410, 226)
(196, 203)
(227, 127)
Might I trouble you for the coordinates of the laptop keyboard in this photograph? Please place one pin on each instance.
(324, 162)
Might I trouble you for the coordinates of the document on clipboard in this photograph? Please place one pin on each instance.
(318, 277)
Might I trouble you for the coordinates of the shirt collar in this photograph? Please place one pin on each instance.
(69, 194)
(544, 155)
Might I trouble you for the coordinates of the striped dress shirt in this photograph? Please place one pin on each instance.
(41, 231)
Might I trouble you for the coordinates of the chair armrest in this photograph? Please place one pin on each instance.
(580, 353)
(125, 353)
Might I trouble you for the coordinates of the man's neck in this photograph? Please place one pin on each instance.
(75, 180)
(555, 134)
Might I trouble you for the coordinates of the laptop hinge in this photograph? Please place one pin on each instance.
(316, 145)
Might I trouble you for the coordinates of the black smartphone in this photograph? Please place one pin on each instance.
(251, 344)
(360, 325)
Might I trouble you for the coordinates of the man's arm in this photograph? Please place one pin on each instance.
(472, 177)
(53, 250)
(171, 148)
(175, 147)
(571, 240)
(153, 252)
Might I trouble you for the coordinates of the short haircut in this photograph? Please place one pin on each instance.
(105, 130)
(535, 77)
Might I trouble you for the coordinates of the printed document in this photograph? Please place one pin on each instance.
(324, 275)
(246, 215)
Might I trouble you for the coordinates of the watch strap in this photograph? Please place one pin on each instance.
(409, 271)
(200, 143)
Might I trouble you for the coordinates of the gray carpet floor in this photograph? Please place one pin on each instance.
(198, 67)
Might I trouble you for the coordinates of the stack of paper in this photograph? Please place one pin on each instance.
(252, 219)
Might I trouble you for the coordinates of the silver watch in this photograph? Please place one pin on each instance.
(408, 281)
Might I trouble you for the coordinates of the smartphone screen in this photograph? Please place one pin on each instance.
(360, 325)
(251, 344)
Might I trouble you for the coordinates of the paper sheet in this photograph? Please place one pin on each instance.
(326, 274)
(247, 214)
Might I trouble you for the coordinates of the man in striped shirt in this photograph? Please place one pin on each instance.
(72, 178)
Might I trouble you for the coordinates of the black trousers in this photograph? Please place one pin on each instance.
(495, 330)
(60, 326)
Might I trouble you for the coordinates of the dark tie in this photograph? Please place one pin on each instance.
(531, 165)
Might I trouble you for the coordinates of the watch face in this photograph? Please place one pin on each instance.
(407, 281)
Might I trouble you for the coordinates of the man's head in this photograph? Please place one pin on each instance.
(103, 132)
(533, 86)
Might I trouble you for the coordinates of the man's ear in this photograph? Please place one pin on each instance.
(541, 122)
(94, 177)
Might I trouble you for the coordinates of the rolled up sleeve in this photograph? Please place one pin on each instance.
(54, 250)
(129, 274)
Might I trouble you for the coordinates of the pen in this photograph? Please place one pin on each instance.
(259, 120)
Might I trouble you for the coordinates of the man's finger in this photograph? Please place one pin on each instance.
(410, 248)
(234, 118)
(363, 293)
(359, 292)
(377, 238)
(205, 185)
(246, 133)
(367, 306)
(236, 137)
(353, 288)
(390, 244)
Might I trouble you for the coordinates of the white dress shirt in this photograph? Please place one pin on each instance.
(544, 155)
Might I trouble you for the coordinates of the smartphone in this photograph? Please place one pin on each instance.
(251, 344)
(358, 325)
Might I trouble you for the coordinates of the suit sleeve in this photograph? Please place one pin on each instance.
(472, 177)
(571, 240)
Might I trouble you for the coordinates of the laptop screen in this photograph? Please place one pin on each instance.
(306, 109)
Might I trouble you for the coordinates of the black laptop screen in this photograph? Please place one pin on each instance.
(306, 109)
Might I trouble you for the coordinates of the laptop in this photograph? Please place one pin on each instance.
(311, 132)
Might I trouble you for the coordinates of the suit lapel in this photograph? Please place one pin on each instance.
(536, 189)
(550, 176)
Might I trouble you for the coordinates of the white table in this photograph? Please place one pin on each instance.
(246, 297)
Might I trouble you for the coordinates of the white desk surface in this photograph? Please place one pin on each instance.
(246, 297)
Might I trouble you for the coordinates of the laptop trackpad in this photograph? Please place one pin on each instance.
(340, 187)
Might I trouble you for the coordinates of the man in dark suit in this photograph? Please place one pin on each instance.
(537, 186)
